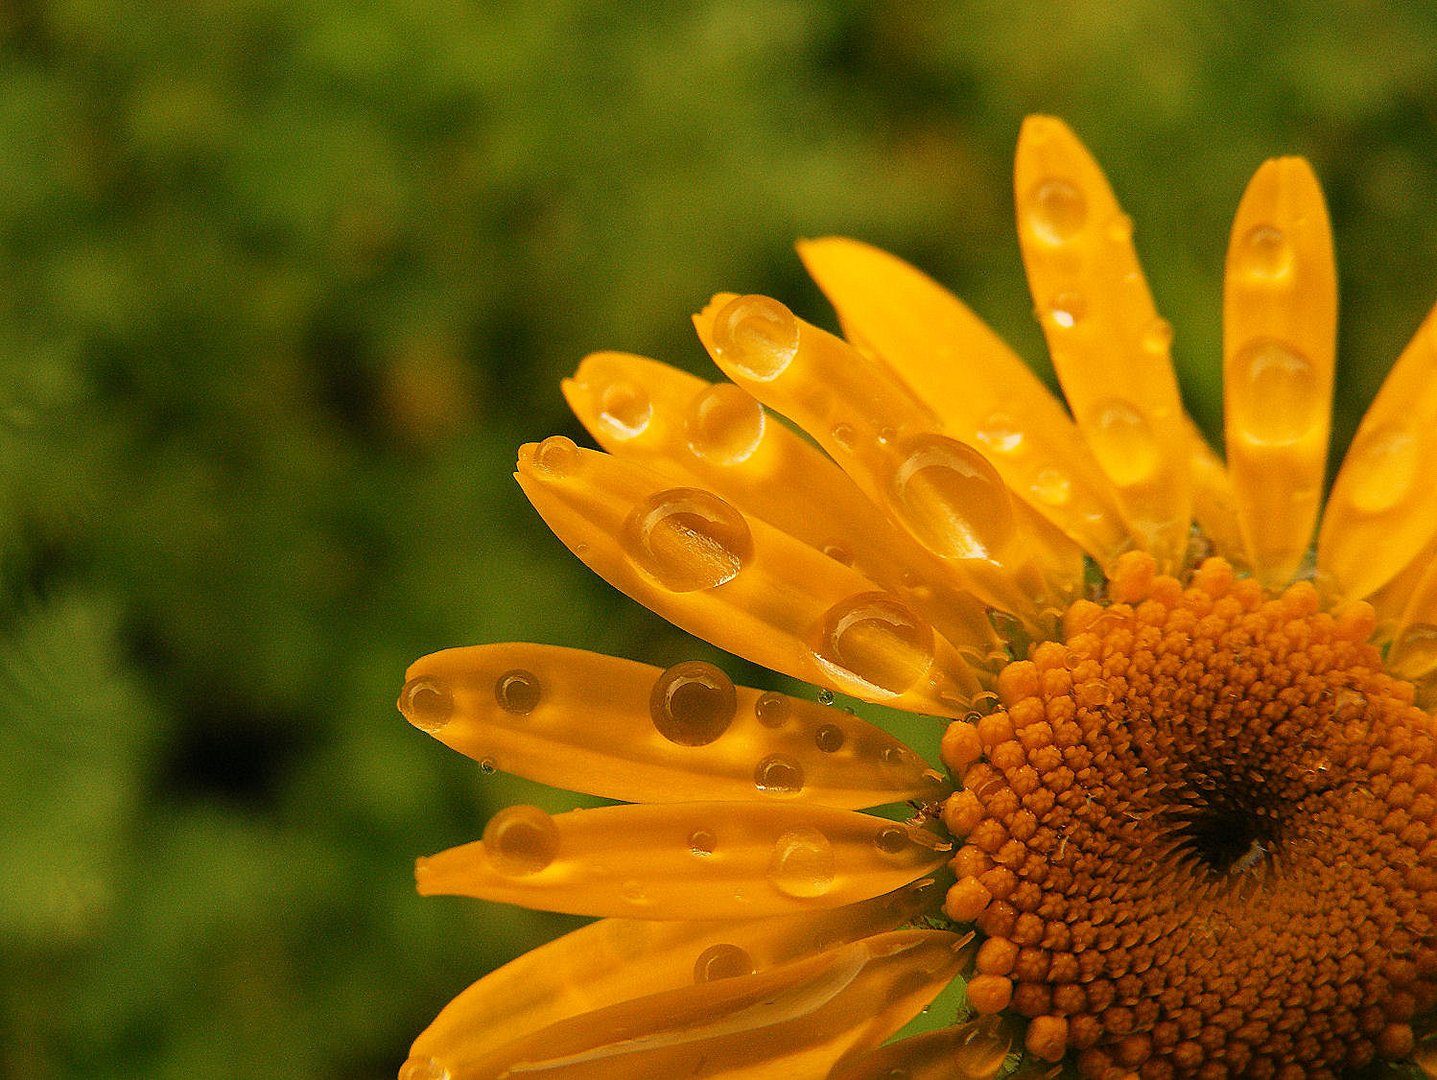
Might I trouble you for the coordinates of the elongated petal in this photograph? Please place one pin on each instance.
(683, 860)
(976, 1050)
(1214, 504)
(1413, 653)
(1279, 347)
(719, 437)
(967, 375)
(616, 960)
(630, 731)
(741, 584)
(794, 1019)
(1380, 514)
(1108, 344)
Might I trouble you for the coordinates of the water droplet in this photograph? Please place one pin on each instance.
(518, 691)
(875, 640)
(887, 435)
(417, 1068)
(1000, 434)
(693, 703)
(1052, 487)
(702, 842)
(634, 893)
(756, 335)
(1122, 440)
(1120, 228)
(687, 539)
(802, 864)
(1265, 253)
(894, 756)
(1281, 399)
(1056, 210)
(426, 703)
(1381, 469)
(826, 696)
(1414, 653)
(722, 961)
(843, 435)
(829, 738)
(488, 766)
(1158, 337)
(725, 425)
(838, 554)
(891, 840)
(557, 455)
(952, 499)
(1068, 309)
(625, 409)
(778, 774)
(521, 840)
(772, 710)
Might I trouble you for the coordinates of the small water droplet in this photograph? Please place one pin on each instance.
(488, 766)
(1414, 654)
(521, 840)
(1122, 440)
(1052, 487)
(1000, 434)
(635, 893)
(875, 640)
(887, 435)
(1281, 400)
(892, 840)
(1056, 210)
(693, 703)
(625, 409)
(417, 1068)
(802, 864)
(894, 756)
(725, 425)
(843, 435)
(1068, 309)
(557, 456)
(518, 691)
(687, 539)
(1264, 253)
(756, 335)
(702, 842)
(838, 554)
(826, 697)
(1158, 337)
(772, 710)
(778, 774)
(951, 498)
(1120, 228)
(427, 703)
(722, 961)
(1381, 469)
(829, 738)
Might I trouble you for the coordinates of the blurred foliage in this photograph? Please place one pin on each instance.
(285, 283)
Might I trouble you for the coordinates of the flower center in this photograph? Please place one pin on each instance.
(1199, 836)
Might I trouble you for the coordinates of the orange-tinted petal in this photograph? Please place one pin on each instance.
(1109, 347)
(1214, 504)
(976, 1050)
(1380, 514)
(684, 860)
(1279, 345)
(630, 731)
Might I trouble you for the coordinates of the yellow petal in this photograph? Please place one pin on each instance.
(739, 583)
(1214, 504)
(1380, 514)
(794, 1019)
(718, 437)
(1279, 345)
(1413, 652)
(976, 1050)
(630, 731)
(985, 395)
(616, 960)
(683, 860)
(1108, 344)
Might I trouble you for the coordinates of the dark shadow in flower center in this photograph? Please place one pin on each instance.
(1226, 833)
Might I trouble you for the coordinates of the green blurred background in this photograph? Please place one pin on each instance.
(286, 283)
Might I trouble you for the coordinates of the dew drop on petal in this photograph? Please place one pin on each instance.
(1122, 439)
(725, 425)
(521, 840)
(722, 961)
(518, 691)
(829, 738)
(1068, 309)
(1414, 653)
(488, 766)
(687, 539)
(891, 840)
(702, 842)
(1000, 434)
(1264, 253)
(844, 435)
(757, 335)
(1056, 210)
(1158, 337)
(557, 456)
(417, 1068)
(625, 409)
(1381, 470)
(802, 863)
(778, 774)
(951, 498)
(876, 640)
(1052, 487)
(772, 710)
(1281, 402)
(426, 703)
(634, 892)
(692, 703)
(825, 696)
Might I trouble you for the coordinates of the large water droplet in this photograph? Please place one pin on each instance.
(417, 1068)
(756, 335)
(1122, 439)
(625, 409)
(875, 640)
(693, 703)
(1281, 400)
(722, 961)
(1000, 434)
(557, 456)
(1057, 210)
(426, 703)
(778, 774)
(802, 864)
(1264, 253)
(1381, 469)
(951, 499)
(829, 738)
(687, 539)
(1414, 653)
(702, 842)
(725, 425)
(521, 840)
(772, 710)
(518, 691)
(1052, 487)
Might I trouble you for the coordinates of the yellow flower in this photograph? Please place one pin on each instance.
(1197, 779)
